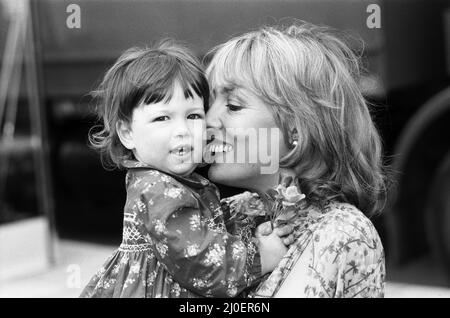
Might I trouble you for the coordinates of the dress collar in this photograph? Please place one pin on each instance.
(193, 180)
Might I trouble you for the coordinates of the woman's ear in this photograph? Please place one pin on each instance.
(125, 134)
(293, 139)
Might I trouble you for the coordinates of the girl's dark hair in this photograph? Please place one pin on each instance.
(142, 75)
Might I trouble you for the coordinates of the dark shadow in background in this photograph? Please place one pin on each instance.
(407, 58)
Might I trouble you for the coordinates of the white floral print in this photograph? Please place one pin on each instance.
(192, 250)
(194, 221)
(173, 192)
(166, 233)
(214, 256)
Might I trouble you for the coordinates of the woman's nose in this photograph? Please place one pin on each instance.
(213, 116)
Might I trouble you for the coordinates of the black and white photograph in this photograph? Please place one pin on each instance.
(236, 149)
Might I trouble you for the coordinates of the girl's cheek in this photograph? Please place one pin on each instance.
(198, 127)
(199, 132)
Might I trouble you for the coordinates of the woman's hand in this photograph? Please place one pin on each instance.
(284, 232)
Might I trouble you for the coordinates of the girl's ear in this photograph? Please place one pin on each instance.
(125, 134)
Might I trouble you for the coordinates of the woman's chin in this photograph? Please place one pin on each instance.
(235, 175)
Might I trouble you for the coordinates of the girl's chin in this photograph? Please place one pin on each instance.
(182, 166)
(182, 170)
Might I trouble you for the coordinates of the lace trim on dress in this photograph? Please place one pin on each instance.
(134, 247)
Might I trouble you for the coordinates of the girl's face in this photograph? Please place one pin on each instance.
(167, 135)
(246, 140)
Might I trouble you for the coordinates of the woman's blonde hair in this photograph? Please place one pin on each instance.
(309, 78)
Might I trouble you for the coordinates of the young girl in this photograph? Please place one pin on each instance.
(174, 240)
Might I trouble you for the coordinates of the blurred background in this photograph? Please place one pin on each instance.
(61, 211)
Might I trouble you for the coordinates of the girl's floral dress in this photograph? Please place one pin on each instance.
(337, 252)
(174, 242)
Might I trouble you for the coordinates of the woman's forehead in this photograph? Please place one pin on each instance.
(228, 81)
(224, 76)
(221, 84)
(228, 89)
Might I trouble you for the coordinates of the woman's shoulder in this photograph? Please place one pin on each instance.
(344, 214)
(345, 221)
(344, 256)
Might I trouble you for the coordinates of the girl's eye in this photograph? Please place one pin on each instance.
(161, 118)
(233, 108)
(195, 116)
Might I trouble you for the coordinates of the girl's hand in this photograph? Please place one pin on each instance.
(271, 250)
(283, 231)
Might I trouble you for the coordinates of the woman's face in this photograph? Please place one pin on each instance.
(247, 143)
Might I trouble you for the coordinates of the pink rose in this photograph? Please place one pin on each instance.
(291, 196)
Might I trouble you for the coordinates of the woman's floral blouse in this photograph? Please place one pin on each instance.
(174, 243)
(337, 253)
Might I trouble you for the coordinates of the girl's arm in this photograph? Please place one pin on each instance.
(196, 249)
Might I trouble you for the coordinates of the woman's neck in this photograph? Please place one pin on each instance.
(266, 182)
(263, 183)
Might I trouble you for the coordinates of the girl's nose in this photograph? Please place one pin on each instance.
(181, 129)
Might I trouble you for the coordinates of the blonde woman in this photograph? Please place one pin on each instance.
(303, 80)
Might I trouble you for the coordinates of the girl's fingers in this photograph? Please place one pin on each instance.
(284, 230)
(263, 229)
(288, 240)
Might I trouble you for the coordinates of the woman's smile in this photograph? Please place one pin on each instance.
(218, 151)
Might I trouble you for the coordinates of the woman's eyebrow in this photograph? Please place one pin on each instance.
(227, 90)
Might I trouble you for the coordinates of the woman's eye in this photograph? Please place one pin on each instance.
(195, 116)
(161, 118)
(233, 108)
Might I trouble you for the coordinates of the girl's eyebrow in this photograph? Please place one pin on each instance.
(195, 108)
(160, 111)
